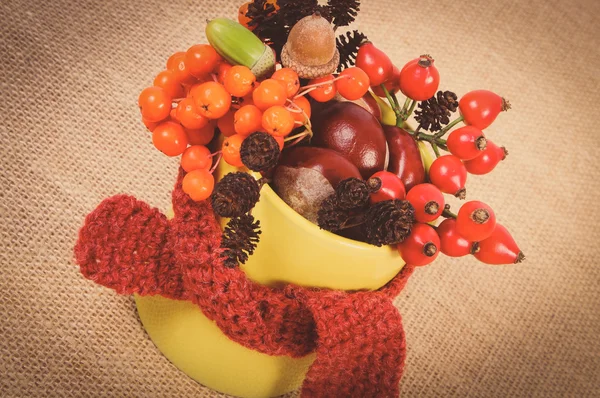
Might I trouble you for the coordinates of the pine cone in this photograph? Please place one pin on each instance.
(436, 111)
(260, 151)
(330, 217)
(347, 45)
(235, 194)
(239, 239)
(448, 99)
(343, 12)
(352, 193)
(389, 222)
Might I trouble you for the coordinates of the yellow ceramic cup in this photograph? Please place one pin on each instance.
(291, 250)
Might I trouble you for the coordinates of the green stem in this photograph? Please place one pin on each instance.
(449, 126)
(438, 142)
(393, 104)
(448, 214)
(395, 100)
(411, 109)
(405, 108)
(435, 149)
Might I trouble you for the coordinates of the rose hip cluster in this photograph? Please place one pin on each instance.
(474, 229)
(199, 92)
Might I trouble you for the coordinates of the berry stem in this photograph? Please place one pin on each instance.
(447, 213)
(394, 104)
(212, 170)
(411, 109)
(453, 123)
(293, 107)
(435, 149)
(405, 107)
(307, 89)
(431, 139)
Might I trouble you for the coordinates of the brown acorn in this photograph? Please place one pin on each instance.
(310, 49)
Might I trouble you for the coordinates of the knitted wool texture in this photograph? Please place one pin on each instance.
(130, 247)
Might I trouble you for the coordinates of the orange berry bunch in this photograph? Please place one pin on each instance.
(199, 92)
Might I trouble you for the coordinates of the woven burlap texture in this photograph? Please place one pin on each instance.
(70, 74)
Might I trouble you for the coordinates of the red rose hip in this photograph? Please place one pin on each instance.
(466, 142)
(428, 202)
(384, 185)
(499, 248)
(421, 247)
(392, 84)
(419, 78)
(480, 108)
(487, 160)
(449, 174)
(374, 62)
(452, 244)
(475, 221)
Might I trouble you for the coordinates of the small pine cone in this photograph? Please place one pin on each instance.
(389, 222)
(235, 194)
(352, 193)
(330, 217)
(436, 111)
(448, 99)
(239, 239)
(260, 152)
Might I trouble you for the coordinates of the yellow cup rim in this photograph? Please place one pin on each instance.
(298, 220)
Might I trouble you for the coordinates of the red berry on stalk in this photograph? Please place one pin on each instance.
(198, 184)
(186, 114)
(374, 62)
(323, 93)
(201, 136)
(290, 80)
(231, 150)
(466, 142)
(167, 79)
(155, 104)
(226, 124)
(201, 60)
(239, 81)
(421, 247)
(222, 70)
(475, 221)
(247, 120)
(270, 92)
(499, 248)
(487, 160)
(149, 125)
(176, 64)
(419, 78)
(480, 108)
(449, 174)
(452, 243)
(428, 202)
(354, 83)
(169, 138)
(384, 185)
(196, 157)
(278, 121)
(211, 100)
(392, 83)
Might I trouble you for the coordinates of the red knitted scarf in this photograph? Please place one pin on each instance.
(132, 248)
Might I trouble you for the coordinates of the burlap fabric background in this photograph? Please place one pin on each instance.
(71, 135)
